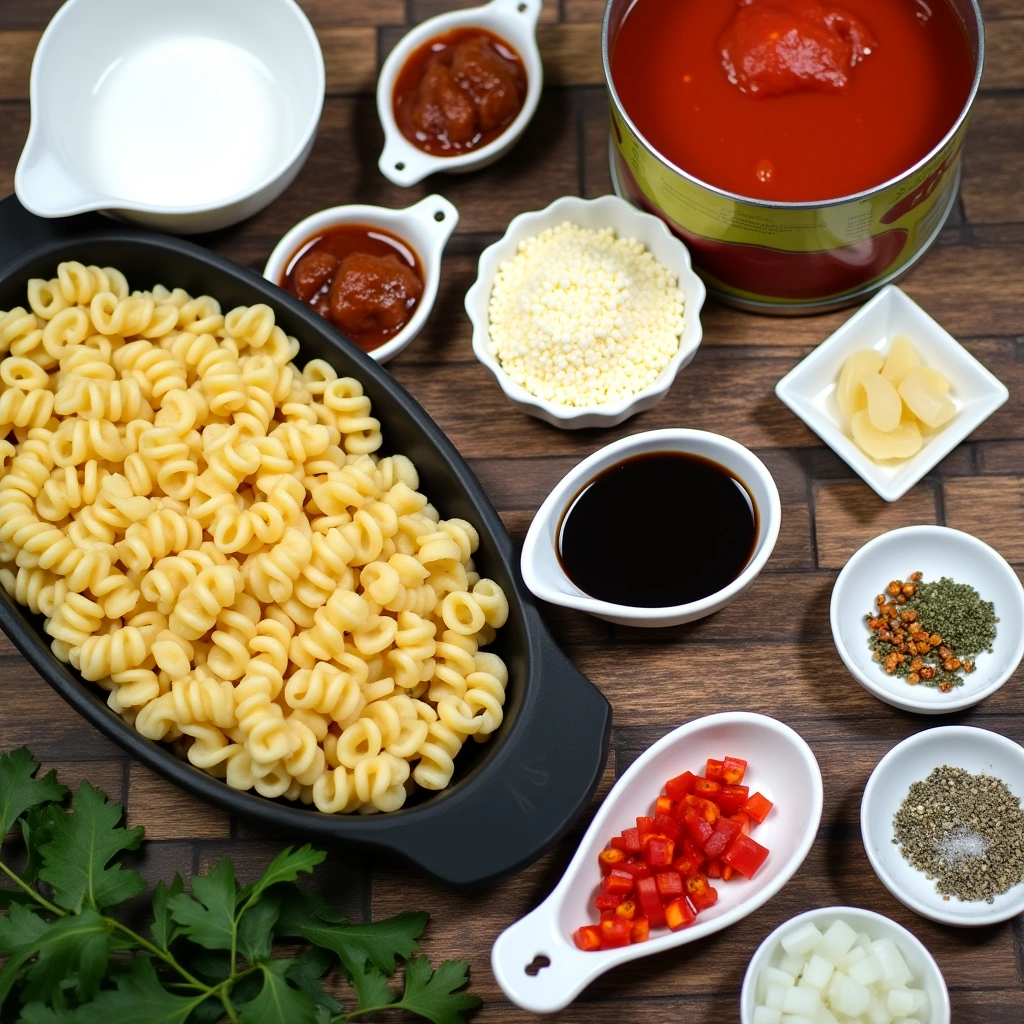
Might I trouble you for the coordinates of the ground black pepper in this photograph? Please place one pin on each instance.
(965, 831)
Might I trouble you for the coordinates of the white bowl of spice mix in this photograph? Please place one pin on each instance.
(949, 629)
(585, 311)
(943, 826)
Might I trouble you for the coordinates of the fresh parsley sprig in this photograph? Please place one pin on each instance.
(209, 953)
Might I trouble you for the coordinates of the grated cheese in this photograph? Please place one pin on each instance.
(580, 317)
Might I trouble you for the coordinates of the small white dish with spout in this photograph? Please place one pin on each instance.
(185, 116)
(425, 227)
(780, 765)
(515, 22)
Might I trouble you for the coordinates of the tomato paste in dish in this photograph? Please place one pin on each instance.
(792, 100)
(364, 280)
(459, 91)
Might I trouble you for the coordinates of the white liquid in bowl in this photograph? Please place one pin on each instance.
(185, 121)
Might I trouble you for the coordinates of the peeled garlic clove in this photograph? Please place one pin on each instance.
(901, 359)
(900, 443)
(937, 380)
(884, 405)
(930, 405)
(848, 392)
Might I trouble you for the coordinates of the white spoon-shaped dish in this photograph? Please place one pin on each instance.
(514, 21)
(936, 551)
(976, 751)
(425, 227)
(780, 765)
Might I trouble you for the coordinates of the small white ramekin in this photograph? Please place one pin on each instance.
(514, 21)
(927, 975)
(628, 222)
(87, 39)
(543, 572)
(425, 226)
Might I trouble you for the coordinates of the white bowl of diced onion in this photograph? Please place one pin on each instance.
(592, 214)
(843, 965)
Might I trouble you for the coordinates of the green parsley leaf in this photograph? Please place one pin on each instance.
(163, 929)
(306, 972)
(37, 1013)
(256, 928)
(138, 999)
(371, 987)
(432, 994)
(81, 846)
(299, 909)
(278, 1002)
(74, 946)
(377, 943)
(9, 896)
(36, 831)
(209, 917)
(285, 867)
(19, 790)
(20, 935)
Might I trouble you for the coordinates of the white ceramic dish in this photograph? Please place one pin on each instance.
(927, 975)
(514, 21)
(809, 389)
(961, 746)
(543, 573)
(608, 211)
(781, 766)
(184, 116)
(425, 226)
(936, 551)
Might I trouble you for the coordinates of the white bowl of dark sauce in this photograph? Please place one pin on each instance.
(656, 529)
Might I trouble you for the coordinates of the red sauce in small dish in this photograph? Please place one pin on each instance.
(459, 91)
(364, 280)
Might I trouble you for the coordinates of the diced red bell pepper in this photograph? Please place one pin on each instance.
(668, 827)
(644, 827)
(744, 819)
(705, 808)
(745, 855)
(664, 805)
(731, 798)
(713, 869)
(641, 929)
(610, 859)
(678, 787)
(687, 865)
(757, 807)
(615, 934)
(728, 871)
(726, 830)
(707, 788)
(630, 840)
(733, 770)
(693, 849)
(587, 938)
(650, 902)
(607, 900)
(700, 894)
(626, 910)
(637, 868)
(608, 915)
(618, 883)
(698, 829)
(659, 852)
(714, 769)
(679, 914)
(669, 884)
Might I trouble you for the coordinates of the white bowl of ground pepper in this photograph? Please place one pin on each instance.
(948, 801)
(966, 593)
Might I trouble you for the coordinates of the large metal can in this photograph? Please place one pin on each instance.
(793, 258)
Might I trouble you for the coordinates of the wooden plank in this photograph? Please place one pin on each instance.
(571, 54)
(584, 10)
(105, 775)
(16, 51)
(15, 117)
(354, 12)
(597, 175)
(992, 190)
(350, 59)
(170, 813)
(990, 509)
(1004, 41)
(423, 9)
(848, 514)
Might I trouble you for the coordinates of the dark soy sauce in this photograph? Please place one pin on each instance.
(657, 530)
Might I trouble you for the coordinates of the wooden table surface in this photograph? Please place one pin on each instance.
(771, 651)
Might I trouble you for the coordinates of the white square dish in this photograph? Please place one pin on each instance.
(809, 389)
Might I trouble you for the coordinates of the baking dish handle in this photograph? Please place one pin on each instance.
(21, 231)
(542, 782)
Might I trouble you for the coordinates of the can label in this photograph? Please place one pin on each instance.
(781, 256)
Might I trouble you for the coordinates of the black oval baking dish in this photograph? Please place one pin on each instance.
(511, 798)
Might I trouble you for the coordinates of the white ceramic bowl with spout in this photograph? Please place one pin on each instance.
(780, 765)
(185, 116)
(514, 21)
(425, 227)
(542, 569)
